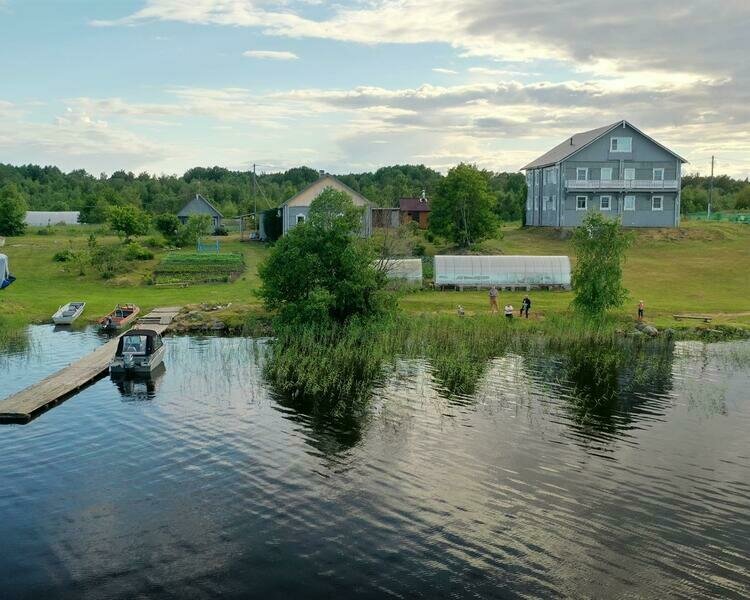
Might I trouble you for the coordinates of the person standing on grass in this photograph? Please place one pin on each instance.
(493, 300)
(641, 306)
(509, 312)
(525, 306)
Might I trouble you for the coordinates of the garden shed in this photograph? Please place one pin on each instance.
(524, 272)
(43, 218)
(403, 269)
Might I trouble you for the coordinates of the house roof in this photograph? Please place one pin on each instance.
(198, 198)
(580, 140)
(414, 205)
(305, 193)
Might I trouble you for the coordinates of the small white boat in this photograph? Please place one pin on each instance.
(68, 313)
(138, 351)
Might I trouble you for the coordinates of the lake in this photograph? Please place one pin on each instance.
(556, 477)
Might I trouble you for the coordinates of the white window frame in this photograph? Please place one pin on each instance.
(607, 170)
(609, 202)
(585, 171)
(661, 203)
(625, 173)
(661, 171)
(300, 218)
(553, 203)
(621, 144)
(626, 205)
(585, 202)
(545, 199)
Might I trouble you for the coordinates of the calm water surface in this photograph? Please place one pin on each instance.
(546, 482)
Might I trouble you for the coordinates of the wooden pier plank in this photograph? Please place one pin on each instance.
(22, 406)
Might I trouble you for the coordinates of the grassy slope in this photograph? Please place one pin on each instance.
(703, 267)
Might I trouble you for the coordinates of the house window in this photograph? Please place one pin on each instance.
(581, 202)
(658, 174)
(300, 219)
(657, 203)
(621, 144)
(605, 202)
(629, 203)
(629, 174)
(606, 174)
(582, 173)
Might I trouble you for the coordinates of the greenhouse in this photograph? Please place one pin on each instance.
(502, 271)
(403, 269)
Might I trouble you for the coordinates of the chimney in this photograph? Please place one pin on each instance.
(423, 197)
(571, 141)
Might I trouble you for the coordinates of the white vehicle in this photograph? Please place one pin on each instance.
(138, 351)
(68, 313)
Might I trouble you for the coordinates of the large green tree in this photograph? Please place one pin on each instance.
(12, 211)
(462, 210)
(321, 270)
(600, 246)
(128, 221)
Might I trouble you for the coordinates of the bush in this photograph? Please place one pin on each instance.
(63, 256)
(45, 230)
(109, 261)
(128, 221)
(419, 249)
(167, 224)
(12, 211)
(135, 251)
(430, 237)
(155, 242)
(221, 230)
(196, 227)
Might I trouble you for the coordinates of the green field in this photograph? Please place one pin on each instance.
(700, 268)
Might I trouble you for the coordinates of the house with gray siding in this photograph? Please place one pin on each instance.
(198, 205)
(297, 209)
(617, 170)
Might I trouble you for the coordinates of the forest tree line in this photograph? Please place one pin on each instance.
(233, 192)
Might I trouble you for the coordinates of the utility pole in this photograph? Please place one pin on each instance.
(710, 189)
(255, 200)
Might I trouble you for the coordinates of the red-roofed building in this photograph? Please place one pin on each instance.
(416, 210)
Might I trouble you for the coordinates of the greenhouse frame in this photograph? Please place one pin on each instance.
(502, 271)
(402, 269)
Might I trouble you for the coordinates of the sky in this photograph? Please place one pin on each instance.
(165, 85)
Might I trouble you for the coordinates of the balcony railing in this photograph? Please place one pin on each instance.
(621, 184)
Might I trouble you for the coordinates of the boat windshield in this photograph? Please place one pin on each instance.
(134, 344)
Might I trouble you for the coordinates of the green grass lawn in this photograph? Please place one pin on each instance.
(700, 268)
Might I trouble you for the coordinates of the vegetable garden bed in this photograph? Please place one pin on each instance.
(186, 269)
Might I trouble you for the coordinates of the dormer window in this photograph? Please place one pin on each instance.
(620, 144)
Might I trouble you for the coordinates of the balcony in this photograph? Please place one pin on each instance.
(621, 184)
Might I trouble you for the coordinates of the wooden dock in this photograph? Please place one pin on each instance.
(35, 399)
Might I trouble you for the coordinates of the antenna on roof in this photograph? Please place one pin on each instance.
(571, 141)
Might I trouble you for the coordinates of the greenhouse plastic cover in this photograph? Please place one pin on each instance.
(502, 270)
(403, 268)
(4, 271)
(44, 218)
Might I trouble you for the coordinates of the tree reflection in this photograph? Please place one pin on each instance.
(610, 384)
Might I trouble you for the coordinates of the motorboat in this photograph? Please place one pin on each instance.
(122, 316)
(5, 277)
(68, 313)
(138, 351)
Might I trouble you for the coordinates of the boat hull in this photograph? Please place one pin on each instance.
(120, 366)
(61, 318)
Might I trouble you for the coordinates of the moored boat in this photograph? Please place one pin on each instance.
(122, 316)
(138, 351)
(68, 313)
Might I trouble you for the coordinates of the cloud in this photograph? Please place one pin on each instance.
(445, 71)
(270, 54)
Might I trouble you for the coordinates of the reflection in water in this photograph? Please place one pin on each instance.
(609, 382)
(137, 387)
(545, 482)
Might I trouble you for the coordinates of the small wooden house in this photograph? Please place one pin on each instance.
(415, 210)
(200, 206)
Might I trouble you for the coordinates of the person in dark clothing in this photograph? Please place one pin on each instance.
(525, 306)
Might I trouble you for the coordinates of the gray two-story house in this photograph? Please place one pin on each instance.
(617, 170)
